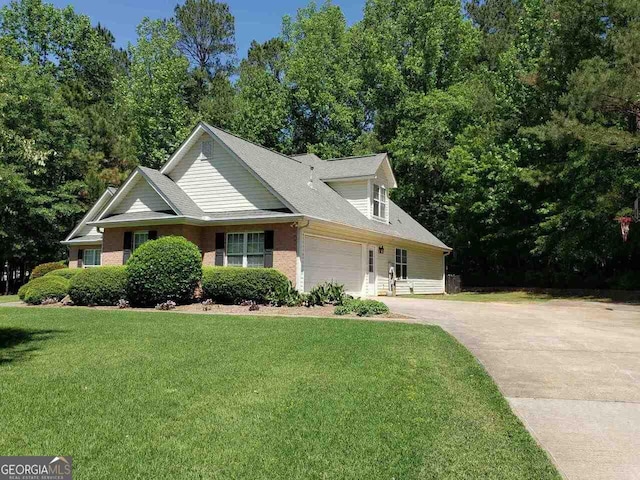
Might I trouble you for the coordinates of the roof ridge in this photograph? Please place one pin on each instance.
(256, 144)
(336, 159)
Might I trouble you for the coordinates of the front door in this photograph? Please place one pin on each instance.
(371, 269)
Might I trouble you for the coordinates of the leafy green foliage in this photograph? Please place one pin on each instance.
(233, 285)
(362, 308)
(98, 286)
(169, 268)
(67, 273)
(42, 288)
(285, 295)
(153, 95)
(44, 268)
(324, 293)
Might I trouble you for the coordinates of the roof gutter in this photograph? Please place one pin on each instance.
(185, 220)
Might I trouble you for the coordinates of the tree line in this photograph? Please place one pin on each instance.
(512, 125)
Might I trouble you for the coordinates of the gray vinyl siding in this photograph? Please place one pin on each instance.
(220, 183)
(141, 197)
(425, 271)
(355, 192)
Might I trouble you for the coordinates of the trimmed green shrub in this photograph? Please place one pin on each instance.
(67, 273)
(362, 308)
(98, 286)
(44, 268)
(169, 268)
(42, 288)
(22, 291)
(235, 284)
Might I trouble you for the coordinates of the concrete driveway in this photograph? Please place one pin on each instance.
(570, 371)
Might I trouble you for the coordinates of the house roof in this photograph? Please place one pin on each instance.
(173, 194)
(291, 180)
(321, 201)
(343, 168)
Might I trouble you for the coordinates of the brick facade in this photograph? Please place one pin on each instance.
(73, 253)
(284, 251)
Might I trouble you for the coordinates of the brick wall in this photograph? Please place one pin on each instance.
(284, 252)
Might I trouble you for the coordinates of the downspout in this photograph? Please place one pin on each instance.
(299, 255)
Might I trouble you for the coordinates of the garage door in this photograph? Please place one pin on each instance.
(328, 260)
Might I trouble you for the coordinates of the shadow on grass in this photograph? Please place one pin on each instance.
(18, 343)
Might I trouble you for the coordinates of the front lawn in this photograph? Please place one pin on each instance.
(164, 395)
(523, 296)
(9, 298)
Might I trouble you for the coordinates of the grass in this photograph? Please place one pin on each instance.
(9, 298)
(525, 296)
(162, 395)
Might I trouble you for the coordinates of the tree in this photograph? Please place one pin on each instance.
(152, 95)
(207, 34)
(263, 99)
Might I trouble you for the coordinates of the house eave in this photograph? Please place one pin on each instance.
(380, 235)
(79, 241)
(183, 220)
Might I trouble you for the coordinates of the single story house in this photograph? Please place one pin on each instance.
(245, 205)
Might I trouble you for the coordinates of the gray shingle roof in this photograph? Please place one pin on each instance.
(176, 196)
(350, 167)
(86, 239)
(133, 216)
(289, 178)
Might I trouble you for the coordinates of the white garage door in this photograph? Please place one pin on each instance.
(328, 260)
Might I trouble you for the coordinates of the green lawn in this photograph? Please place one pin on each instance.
(163, 395)
(523, 296)
(9, 298)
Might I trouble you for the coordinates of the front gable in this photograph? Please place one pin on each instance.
(136, 195)
(216, 181)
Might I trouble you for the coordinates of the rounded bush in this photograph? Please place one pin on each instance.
(98, 286)
(42, 288)
(236, 284)
(67, 273)
(44, 268)
(169, 268)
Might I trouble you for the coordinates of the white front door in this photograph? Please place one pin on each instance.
(371, 269)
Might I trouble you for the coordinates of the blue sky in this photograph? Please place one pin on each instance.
(255, 19)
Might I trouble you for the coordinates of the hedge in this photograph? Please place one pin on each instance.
(42, 288)
(169, 268)
(98, 286)
(67, 273)
(362, 308)
(235, 284)
(44, 268)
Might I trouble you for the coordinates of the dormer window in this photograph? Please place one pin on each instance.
(380, 201)
(206, 149)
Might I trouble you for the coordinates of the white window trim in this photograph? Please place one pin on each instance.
(245, 254)
(406, 263)
(84, 252)
(133, 238)
(381, 201)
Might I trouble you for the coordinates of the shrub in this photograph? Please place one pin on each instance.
(44, 268)
(362, 308)
(285, 296)
(327, 292)
(98, 286)
(67, 273)
(235, 284)
(169, 268)
(42, 288)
